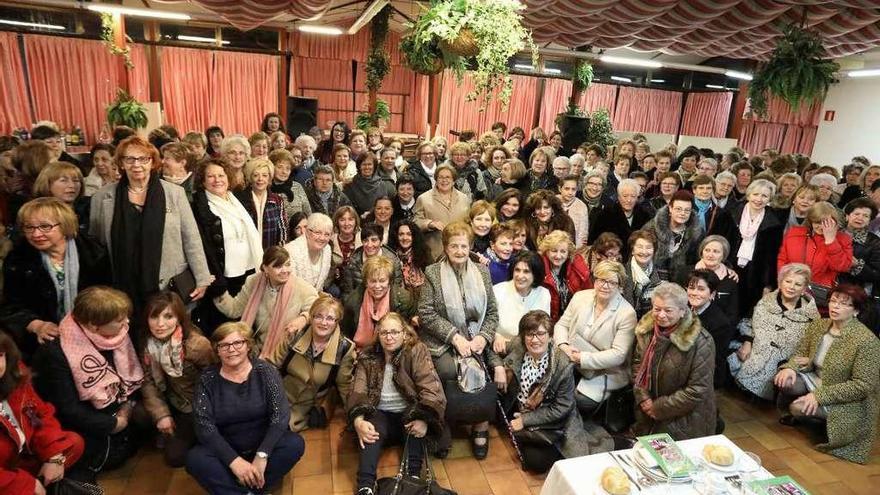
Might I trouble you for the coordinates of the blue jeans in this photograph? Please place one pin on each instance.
(216, 477)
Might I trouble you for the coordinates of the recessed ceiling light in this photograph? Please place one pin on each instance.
(157, 14)
(715, 86)
(331, 30)
(658, 81)
(200, 39)
(864, 73)
(523, 66)
(552, 71)
(621, 79)
(738, 75)
(635, 62)
(31, 24)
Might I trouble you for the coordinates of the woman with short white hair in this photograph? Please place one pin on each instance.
(826, 183)
(311, 254)
(236, 150)
(755, 244)
(725, 182)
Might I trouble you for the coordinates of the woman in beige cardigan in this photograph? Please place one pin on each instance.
(440, 206)
(596, 332)
(274, 302)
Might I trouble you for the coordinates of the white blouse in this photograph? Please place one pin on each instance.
(512, 306)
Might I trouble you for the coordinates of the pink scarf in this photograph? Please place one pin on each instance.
(721, 270)
(748, 229)
(276, 325)
(643, 376)
(96, 381)
(370, 313)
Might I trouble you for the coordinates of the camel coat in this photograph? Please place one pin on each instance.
(429, 208)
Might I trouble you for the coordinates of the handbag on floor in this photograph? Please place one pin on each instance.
(67, 486)
(402, 484)
(472, 392)
(618, 409)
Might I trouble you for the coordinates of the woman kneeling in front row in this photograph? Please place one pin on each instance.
(241, 418)
(396, 392)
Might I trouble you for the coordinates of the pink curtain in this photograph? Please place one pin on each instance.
(458, 114)
(72, 81)
(14, 107)
(355, 47)
(186, 99)
(707, 114)
(557, 92)
(757, 136)
(799, 132)
(598, 96)
(139, 76)
(244, 87)
(791, 139)
(647, 110)
(808, 139)
(330, 82)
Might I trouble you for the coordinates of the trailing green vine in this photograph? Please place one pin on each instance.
(378, 63)
(108, 35)
(366, 119)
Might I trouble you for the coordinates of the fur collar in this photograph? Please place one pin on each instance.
(683, 337)
(692, 229)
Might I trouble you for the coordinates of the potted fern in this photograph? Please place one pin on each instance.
(799, 72)
(127, 111)
(379, 118)
(478, 34)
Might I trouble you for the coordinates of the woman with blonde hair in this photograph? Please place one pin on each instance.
(346, 236)
(821, 244)
(64, 181)
(441, 146)
(379, 294)
(235, 150)
(266, 209)
(278, 141)
(313, 362)
(540, 176)
(344, 168)
(259, 142)
(563, 275)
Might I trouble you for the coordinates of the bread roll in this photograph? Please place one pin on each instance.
(615, 481)
(720, 455)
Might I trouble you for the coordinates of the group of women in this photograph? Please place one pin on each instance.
(228, 292)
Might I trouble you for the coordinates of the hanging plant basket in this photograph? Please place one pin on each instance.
(422, 58)
(429, 68)
(464, 45)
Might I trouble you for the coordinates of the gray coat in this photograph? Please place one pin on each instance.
(557, 409)
(181, 243)
(675, 264)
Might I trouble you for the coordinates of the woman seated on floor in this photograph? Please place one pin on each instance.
(672, 369)
(312, 361)
(539, 399)
(34, 450)
(176, 353)
(774, 331)
(97, 401)
(834, 376)
(396, 392)
(241, 415)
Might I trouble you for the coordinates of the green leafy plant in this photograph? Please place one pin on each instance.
(582, 76)
(601, 131)
(482, 34)
(799, 72)
(127, 111)
(378, 63)
(366, 119)
(108, 35)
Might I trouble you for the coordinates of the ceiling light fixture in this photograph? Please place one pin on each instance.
(658, 81)
(635, 62)
(552, 71)
(156, 14)
(329, 30)
(864, 73)
(745, 76)
(621, 79)
(200, 39)
(715, 86)
(31, 24)
(523, 67)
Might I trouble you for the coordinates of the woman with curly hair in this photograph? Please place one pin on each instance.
(407, 242)
(543, 214)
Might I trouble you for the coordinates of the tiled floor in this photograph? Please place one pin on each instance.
(330, 462)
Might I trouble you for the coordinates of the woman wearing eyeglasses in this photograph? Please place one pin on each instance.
(596, 335)
(834, 375)
(147, 226)
(678, 233)
(312, 362)
(540, 398)
(45, 270)
(241, 417)
(395, 392)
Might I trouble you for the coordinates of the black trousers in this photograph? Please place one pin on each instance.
(183, 439)
(389, 425)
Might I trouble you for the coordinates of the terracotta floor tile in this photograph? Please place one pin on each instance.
(313, 485)
(767, 437)
(316, 459)
(467, 476)
(344, 473)
(510, 482)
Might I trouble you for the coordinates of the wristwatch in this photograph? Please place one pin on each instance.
(59, 459)
(262, 455)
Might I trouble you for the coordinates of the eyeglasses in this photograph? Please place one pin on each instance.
(838, 302)
(318, 233)
(537, 335)
(231, 346)
(678, 209)
(606, 283)
(390, 333)
(140, 160)
(43, 227)
(325, 318)
(236, 153)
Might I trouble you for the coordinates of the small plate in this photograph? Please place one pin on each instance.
(733, 468)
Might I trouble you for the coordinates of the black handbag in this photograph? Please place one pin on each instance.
(821, 293)
(474, 406)
(67, 486)
(617, 410)
(184, 283)
(545, 437)
(402, 484)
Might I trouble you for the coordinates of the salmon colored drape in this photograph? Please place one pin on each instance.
(14, 107)
(244, 88)
(139, 75)
(72, 81)
(647, 110)
(598, 96)
(458, 114)
(782, 129)
(706, 114)
(186, 87)
(557, 93)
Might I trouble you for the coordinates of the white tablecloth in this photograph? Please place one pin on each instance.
(581, 475)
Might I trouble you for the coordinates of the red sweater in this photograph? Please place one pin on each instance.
(825, 260)
(43, 435)
(577, 278)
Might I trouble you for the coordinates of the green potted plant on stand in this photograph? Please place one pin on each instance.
(127, 111)
(574, 124)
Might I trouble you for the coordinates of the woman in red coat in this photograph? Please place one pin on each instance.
(819, 244)
(32, 443)
(564, 275)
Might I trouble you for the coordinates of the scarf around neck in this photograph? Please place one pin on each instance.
(641, 277)
(95, 379)
(275, 334)
(748, 229)
(413, 276)
(370, 313)
(702, 208)
(237, 221)
(643, 376)
(149, 253)
(464, 295)
(66, 288)
(165, 357)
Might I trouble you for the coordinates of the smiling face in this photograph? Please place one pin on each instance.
(260, 179)
(556, 141)
(340, 159)
(871, 176)
(567, 190)
(233, 350)
(621, 167)
(668, 187)
(382, 211)
(689, 163)
(260, 148)
(502, 247)
(593, 187)
(66, 188)
(34, 226)
(792, 286)
(649, 163)
(282, 170)
(273, 124)
(372, 246)
(280, 142)
(323, 323)
(216, 182)
(592, 157)
(561, 169)
(444, 181)
(428, 156)
(346, 223)
(519, 241)
(803, 201)
(663, 165)
(405, 193)
(460, 158)
(723, 188)
(368, 167)
(498, 158)
(215, 139)
(103, 162)
(759, 198)
(544, 212)
(387, 162)
(510, 208)
(666, 312)
(699, 293)
(788, 187)
(278, 274)
(317, 238)
(537, 341)
(680, 212)
(163, 324)
(391, 335)
(712, 255)
(404, 237)
(323, 182)
(539, 164)
(558, 255)
(338, 134)
(703, 192)
(523, 278)
(628, 199)
(457, 250)
(378, 285)
(643, 251)
(743, 178)
(482, 224)
(136, 163)
(358, 144)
